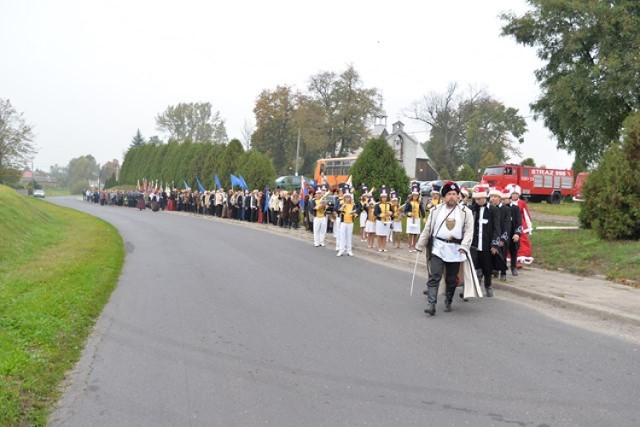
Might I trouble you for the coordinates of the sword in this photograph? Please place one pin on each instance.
(414, 273)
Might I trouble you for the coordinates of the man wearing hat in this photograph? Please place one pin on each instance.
(524, 254)
(515, 230)
(451, 228)
(500, 263)
(486, 234)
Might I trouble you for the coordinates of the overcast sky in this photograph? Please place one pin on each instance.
(88, 74)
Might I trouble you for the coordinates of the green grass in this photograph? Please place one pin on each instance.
(582, 252)
(563, 209)
(58, 268)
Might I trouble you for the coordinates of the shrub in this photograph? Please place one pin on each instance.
(377, 166)
(612, 192)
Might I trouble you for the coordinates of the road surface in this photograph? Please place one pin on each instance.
(214, 324)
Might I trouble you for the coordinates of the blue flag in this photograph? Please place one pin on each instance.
(186, 186)
(243, 182)
(266, 199)
(235, 180)
(200, 187)
(217, 181)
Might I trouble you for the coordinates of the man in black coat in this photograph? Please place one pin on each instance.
(516, 230)
(500, 259)
(486, 235)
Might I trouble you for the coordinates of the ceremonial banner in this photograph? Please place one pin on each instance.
(200, 187)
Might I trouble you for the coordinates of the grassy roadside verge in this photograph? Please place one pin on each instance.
(58, 268)
(581, 252)
(563, 209)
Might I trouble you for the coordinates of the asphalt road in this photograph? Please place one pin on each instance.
(217, 324)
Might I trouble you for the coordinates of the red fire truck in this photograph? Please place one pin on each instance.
(537, 184)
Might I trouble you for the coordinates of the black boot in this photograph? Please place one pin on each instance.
(487, 286)
(431, 310)
(514, 271)
(449, 299)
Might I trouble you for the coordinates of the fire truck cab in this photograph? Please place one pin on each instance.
(537, 184)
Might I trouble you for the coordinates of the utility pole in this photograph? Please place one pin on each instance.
(297, 151)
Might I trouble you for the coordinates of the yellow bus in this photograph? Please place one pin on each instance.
(333, 171)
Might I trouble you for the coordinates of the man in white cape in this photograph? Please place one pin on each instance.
(450, 227)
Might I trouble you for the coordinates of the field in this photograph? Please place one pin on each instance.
(58, 268)
(581, 251)
(563, 209)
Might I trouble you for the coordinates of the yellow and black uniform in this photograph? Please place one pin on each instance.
(383, 212)
(371, 217)
(396, 211)
(348, 211)
(319, 221)
(414, 211)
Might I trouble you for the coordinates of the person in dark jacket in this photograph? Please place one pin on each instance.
(516, 229)
(486, 235)
(499, 261)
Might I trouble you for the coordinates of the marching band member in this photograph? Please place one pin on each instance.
(336, 218)
(415, 214)
(347, 213)
(320, 220)
(382, 213)
(370, 227)
(363, 214)
(396, 217)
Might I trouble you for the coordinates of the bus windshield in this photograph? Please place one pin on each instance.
(333, 171)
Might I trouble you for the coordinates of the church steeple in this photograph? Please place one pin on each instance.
(380, 123)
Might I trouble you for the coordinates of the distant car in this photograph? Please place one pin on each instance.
(38, 193)
(467, 184)
(292, 182)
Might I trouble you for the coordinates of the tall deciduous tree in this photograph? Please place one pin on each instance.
(81, 170)
(111, 168)
(193, 122)
(590, 81)
(439, 112)
(342, 109)
(471, 128)
(276, 128)
(16, 142)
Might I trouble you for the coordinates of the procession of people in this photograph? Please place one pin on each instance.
(471, 236)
